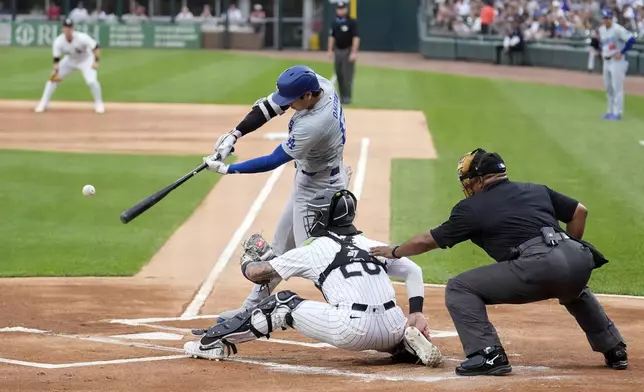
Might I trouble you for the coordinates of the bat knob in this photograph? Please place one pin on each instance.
(124, 218)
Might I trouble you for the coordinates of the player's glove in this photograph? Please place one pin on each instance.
(224, 145)
(215, 165)
(257, 245)
(54, 76)
(256, 249)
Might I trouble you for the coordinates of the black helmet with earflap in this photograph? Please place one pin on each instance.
(331, 210)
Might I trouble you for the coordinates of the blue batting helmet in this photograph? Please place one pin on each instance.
(293, 83)
(607, 13)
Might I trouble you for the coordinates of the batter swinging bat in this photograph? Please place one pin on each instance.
(153, 199)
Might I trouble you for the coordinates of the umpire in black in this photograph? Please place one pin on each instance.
(517, 225)
(343, 47)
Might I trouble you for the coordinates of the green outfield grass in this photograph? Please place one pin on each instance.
(547, 134)
(50, 229)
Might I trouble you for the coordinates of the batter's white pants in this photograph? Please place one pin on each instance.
(340, 326)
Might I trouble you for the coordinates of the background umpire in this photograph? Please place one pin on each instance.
(343, 45)
(517, 225)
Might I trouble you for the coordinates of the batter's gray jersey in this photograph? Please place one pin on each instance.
(316, 136)
(613, 39)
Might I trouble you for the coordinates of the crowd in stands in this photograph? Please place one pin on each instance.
(137, 13)
(536, 19)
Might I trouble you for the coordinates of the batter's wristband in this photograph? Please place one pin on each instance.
(416, 304)
(393, 251)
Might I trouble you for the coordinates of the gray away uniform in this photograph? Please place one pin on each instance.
(316, 140)
(612, 41)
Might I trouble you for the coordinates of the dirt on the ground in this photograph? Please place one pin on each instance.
(58, 334)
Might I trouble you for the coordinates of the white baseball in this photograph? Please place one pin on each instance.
(88, 190)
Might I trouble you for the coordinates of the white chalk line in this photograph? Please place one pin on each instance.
(361, 171)
(295, 369)
(91, 363)
(207, 287)
(334, 78)
(442, 286)
(188, 331)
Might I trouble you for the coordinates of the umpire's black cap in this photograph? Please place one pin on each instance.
(68, 22)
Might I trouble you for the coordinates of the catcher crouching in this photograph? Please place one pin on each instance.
(360, 312)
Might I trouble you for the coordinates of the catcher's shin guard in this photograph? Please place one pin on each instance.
(260, 321)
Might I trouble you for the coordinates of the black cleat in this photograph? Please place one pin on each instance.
(617, 357)
(490, 361)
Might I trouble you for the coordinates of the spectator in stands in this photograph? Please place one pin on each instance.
(536, 28)
(3, 10)
(53, 13)
(234, 15)
(36, 10)
(460, 28)
(487, 17)
(206, 13)
(185, 15)
(257, 18)
(99, 15)
(79, 14)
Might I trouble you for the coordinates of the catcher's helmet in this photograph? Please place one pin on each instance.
(329, 209)
(293, 83)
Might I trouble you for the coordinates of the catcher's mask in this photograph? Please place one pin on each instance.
(476, 164)
(330, 208)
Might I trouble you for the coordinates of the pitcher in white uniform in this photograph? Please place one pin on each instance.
(614, 41)
(316, 138)
(81, 52)
(360, 312)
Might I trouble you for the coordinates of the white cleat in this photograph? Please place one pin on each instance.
(40, 109)
(100, 108)
(428, 354)
(192, 349)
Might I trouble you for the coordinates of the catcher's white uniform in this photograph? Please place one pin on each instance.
(360, 312)
(78, 55)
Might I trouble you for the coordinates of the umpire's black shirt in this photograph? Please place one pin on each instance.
(343, 30)
(505, 215)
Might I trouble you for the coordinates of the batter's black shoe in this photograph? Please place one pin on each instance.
(616, 357)
(490, 361)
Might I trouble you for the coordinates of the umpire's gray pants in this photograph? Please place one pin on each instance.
(344, 70)
(540, 273)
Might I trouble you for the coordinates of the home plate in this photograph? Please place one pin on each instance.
(150, 336)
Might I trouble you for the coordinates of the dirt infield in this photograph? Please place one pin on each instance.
(71, 334)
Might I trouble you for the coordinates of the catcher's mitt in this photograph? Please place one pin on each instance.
(257, 245)
(255, 249)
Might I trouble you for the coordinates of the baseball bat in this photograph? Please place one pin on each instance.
(153, 199)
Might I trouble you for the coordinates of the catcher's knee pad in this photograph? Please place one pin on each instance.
(278, 308)
(260, 321)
